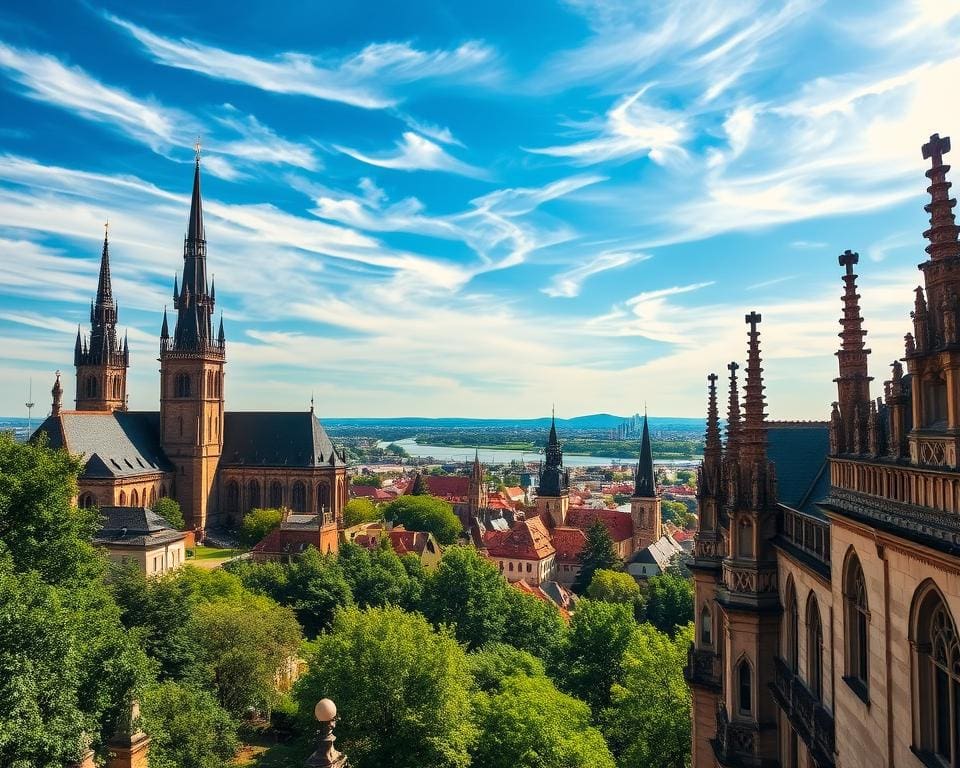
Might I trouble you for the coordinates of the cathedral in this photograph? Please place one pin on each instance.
(827, 558)
(217, 464)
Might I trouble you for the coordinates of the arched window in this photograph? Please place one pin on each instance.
(134, 498)
(744, 688)
(298, 497)
(814, 648)
(706, 627)
(511, 567)
(745, 538)
(276, 494)
(938, 677)
(233, 499)
(856, 614)
(86, 501)
(153, 496)
(91, 386)
(253, 494)
(182, 385)
(935, 402)
(181, 426)
(323, 496)
(792, 629)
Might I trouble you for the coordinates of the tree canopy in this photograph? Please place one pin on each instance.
(169, 510)
(668, 602)
(598, 553)
(257, 523)
(360, 510)
(613, 587)
(425, 513)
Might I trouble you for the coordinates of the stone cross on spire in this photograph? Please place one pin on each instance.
(733, 414)
(848, 258)
(753, 441)
(943, 232)
(712, 445)
(935, 149)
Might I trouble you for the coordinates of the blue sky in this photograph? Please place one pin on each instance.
(473, 209)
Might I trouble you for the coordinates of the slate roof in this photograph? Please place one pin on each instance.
(276, 439)
(115, 445)
(659, 552)
(619, 524)
(799, 452)
(135, 527)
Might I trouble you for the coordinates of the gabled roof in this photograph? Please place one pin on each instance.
(619, 524)
(288, 541)
(135, 526)
(276, 439)
(117, 444)
(659, 552)
(448, 485)
(369, 492)
(527, 540)
(799, 452)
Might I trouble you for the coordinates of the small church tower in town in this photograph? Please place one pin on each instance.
(553, 499)
(477, 497)
(645, 501)
(191, 376)
(101, 360)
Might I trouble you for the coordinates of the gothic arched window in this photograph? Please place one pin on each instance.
(134, 498)
(276, 494)
(253, 494)
(298, 497)
(814, 648)
(937, 670)
(792, 630)
(91, 387)
(233, 499)
(86, 501)
(856, 615)
(153, 496)
(745, 538)
(706, 627)
(123, 499)
(323, 496)
(181, 385)
(744, 687)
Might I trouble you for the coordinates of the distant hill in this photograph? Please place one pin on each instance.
(591, 421)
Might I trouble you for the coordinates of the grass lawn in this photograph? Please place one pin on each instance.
(211, 557)
(263, 753)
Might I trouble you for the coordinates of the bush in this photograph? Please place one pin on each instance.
(257, 523)
(613, 587)
(169, 510)
(425, 513)
(358, 511)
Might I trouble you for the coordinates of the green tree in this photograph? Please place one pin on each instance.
(532, 624)
(613, 587)
(257, 523)
(169, 510)
(495, 661)
(668, 603)
(360, 510)
(425, 513)
(528, 723)
(468, 593)
(401, 688)
(598, 553)
(675, 512)
(372, 481)
(377, 577)
(187, 728)
(648, 721)
(590, 659)
(243, 645)
(159, 610)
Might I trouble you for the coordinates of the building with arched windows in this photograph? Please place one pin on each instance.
(827, 558)
(218, 464)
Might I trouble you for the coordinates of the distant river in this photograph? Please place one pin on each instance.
(448, 453)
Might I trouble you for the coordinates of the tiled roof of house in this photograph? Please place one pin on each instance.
(514, 492)
(135, 526)
(287, 541)
(527, 540)
(550, 592)
(448, 485)
(568, 542)
(619, 524)
(369, 492)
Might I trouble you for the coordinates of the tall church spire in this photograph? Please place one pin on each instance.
(942, 233)
(104, 287)
(853, 383)
(712, 447)
(644, 481)
(733, 414)
(754, 436)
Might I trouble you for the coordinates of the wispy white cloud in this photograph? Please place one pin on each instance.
(415, 153)
(771, 282)
(365, 79)
(260, 144)
(631, 128)
(568, 284)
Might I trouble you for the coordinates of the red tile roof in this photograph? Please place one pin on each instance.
(287, 541)
(369, 492)
(568, 542)
(527, 540)
(619, 524)
(540, 594)
(514, 493)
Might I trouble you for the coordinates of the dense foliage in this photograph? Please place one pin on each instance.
(169, 510)
(257, 523)
(597, 554)
(360, 510)
(425, 513)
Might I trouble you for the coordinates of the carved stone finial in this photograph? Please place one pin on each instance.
(325, 755)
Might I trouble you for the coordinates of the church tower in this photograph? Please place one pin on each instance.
(191, 377)
(477, 490)
(102, 362)
(645, 502)
(553, 500)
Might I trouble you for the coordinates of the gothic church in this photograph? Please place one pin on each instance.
(216, 463)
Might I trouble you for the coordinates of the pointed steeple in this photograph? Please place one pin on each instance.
(57, 393)
(753, 443)
(645, 485)
(164, 329)
(195, 223)
(733, 414)
(712, 448)
(176, 291)
(477, 469)
(221, 336)
(853, 383)
(213, 288)
(943, 231)
(78, 348)
(104, 287)
(552, 476)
